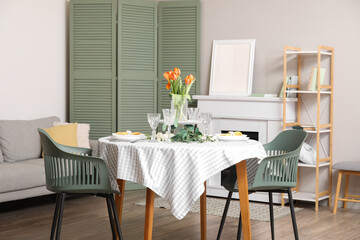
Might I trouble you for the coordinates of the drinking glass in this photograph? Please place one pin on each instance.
(206, 119)
(169, 119)
(193, 113)
(153, 119)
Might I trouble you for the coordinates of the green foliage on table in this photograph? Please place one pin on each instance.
(164, 127)
(188, 134)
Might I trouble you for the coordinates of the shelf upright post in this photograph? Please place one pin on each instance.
(318, 130)
(285, 124)
(331, 121)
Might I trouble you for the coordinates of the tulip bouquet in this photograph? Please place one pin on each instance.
(179, 91)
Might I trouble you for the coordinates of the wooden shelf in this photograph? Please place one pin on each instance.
(308, 52)
(321, 131)
(317, 126)
(312, 129)
(306, 196)
(322, 164)
(306, 91)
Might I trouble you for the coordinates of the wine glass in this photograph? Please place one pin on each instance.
(206, 119)
(193, 113)
(153, 119)
(169, 119)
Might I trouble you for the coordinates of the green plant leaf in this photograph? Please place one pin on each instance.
(189, 128)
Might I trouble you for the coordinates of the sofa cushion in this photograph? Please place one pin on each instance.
(20, 140)
(22, 175)
(64, 134)
(83, 130)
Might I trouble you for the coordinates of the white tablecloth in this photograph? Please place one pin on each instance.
(174, 171)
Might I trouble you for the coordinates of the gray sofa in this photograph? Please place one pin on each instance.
(22, 173)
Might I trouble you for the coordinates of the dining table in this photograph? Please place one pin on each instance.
(177, 172)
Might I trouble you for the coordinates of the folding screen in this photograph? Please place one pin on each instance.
(151, 38)
(93, 65)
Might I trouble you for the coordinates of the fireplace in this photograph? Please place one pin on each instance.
(258, 117)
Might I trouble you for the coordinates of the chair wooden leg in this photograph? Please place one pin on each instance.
(55, 218)
(61, 211)
(292, 209)
(239, 227)
(116, 218)
(271, 209)
(346, 193)
(110, 213)
(224, 215)
(337, 192)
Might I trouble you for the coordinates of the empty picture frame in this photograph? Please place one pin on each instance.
(232, 67)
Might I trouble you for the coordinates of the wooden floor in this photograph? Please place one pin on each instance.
(86, 218)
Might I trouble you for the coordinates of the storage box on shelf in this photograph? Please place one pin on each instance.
(317, 128)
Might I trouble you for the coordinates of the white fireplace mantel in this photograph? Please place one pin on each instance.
(262, 108)
(263, 115)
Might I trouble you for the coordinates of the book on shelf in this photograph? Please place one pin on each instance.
(290, 80)
(305, 127)
(313, 78)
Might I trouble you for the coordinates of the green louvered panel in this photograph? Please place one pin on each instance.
(137, 64)
(93, 65)
(178, 44)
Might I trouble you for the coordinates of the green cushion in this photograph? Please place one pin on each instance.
(20, 140)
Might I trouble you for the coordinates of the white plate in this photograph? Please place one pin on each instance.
(232, 138)
(128, 138)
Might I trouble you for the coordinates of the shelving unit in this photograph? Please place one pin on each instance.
(318, 128)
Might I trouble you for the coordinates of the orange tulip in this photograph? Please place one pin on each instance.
(166, 75)
(189, 79)
(173, 76)
(177, 71)
(168, 86)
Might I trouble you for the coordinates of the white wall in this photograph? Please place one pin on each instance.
(32, 59)
(304, 24)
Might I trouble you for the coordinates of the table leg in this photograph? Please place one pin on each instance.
(119, 198)
(203, 214)
(149, 214)
(244, 198)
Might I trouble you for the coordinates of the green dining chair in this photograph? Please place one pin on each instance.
(72, 170)
(275, 173)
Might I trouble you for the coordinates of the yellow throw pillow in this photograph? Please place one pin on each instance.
(64, 134)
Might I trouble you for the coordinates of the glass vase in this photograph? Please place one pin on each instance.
(180, 104)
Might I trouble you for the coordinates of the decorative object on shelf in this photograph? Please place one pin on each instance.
(291, 80)
(179, 92)
(232, 67)
(314, 76)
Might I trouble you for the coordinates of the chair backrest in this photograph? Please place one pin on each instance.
(279, 169)
(71, 169)
(285, 141)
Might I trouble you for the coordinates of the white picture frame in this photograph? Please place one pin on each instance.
(232, 67)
